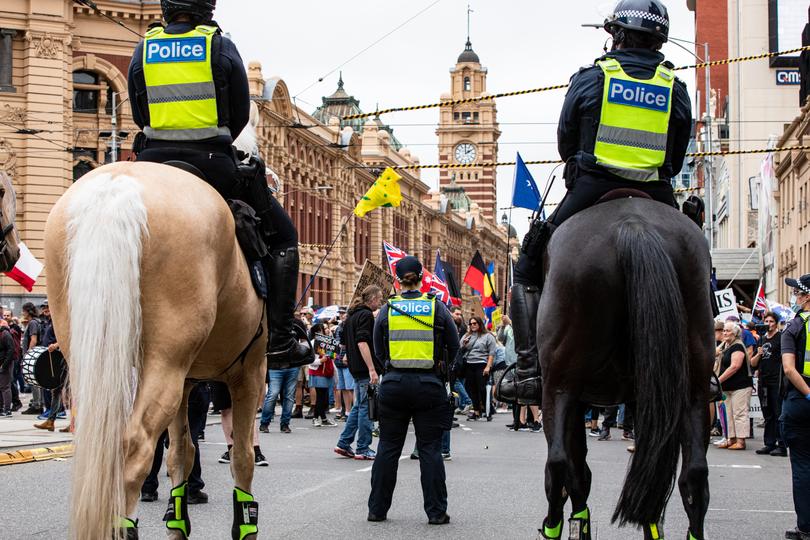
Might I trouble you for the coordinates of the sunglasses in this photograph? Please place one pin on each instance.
(473, 323)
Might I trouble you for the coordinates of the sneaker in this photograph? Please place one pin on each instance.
(317, 422)
(5, 413)
(310, 414)
(593, 432)
(604, 435)
(779, 451)
(61, 414)
(523, 427)
(720, 442)
(537, 427)
(368, 455)
(285, 428)
(628, 436)
(327, 423)
(375, 432)
(226, 457)
(344, 452)
(260, 460)
(44, 415)
(511, 426)
(264, 428)
(16, 407)
(446, 456)
(33, 410)
(197, 497)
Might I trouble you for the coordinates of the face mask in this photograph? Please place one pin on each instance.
(795, 308)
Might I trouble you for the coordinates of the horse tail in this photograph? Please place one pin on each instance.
(106, 223)
(658, 336)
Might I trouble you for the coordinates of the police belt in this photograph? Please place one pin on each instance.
(418, 371)
(201, 146)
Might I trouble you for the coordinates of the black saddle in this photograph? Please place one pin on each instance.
(188, 167)
(623, 193)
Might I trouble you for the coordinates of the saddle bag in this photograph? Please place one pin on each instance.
(248, 231)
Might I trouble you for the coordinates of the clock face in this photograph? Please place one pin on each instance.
(465, 153)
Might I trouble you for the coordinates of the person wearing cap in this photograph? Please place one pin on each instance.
(795, 418)
(625, 124)
(414, 337)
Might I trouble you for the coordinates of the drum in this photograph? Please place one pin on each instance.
(44, 369)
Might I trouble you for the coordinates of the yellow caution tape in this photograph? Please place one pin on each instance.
(30, 455)
(557, 86)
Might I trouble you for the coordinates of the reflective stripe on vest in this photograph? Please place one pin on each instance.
(410, 343)
(805, 371)
(631, 141)
(180, 85)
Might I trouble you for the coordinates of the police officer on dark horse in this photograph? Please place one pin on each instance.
(189, 93)
(625, 315)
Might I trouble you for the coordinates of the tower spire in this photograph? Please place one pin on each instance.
(468, 24)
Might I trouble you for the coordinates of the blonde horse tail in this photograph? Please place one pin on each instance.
(106, 224)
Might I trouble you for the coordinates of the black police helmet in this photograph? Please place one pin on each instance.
(648, 16)
(406, 265)
(202, 9)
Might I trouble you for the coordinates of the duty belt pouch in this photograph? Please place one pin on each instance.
(248, 227)
(373, 403)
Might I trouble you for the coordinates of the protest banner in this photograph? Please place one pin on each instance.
(372, 275)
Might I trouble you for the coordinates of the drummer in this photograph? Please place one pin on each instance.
(49, 340)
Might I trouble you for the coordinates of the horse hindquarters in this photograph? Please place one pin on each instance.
(659, 353)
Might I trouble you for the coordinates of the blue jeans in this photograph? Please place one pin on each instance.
(358, 421)
(463, 396)
(281, 381)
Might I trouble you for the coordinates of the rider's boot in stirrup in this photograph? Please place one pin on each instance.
(526, 387)
(283, 347)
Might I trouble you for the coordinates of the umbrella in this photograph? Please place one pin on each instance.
(326, 313)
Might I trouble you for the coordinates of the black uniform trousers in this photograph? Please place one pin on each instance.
(612, 415)
(795, 421)
(771, 403)
(404, 396)
(219, 166)
(584, 192)
(198, 402)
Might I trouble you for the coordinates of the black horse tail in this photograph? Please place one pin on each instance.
(657, 331)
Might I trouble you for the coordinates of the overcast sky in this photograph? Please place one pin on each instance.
(523, 44)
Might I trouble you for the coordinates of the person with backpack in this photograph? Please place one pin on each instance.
(32, 336)
(17, 382)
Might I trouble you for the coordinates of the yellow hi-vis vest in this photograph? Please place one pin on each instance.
(631, 141)
(180, 85)
(806, 368)
(410, 342)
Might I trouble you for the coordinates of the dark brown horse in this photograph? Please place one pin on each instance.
(625, 318)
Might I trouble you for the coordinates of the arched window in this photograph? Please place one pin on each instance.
(85, 92)
(467, 85)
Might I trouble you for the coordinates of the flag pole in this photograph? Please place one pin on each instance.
(320, 264)
(508, 257)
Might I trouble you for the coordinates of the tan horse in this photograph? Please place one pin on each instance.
(149, 292)
(9, 236)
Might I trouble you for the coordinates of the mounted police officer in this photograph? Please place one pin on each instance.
(795, 419)
(625, 124)
(414, 335)
(189, 94)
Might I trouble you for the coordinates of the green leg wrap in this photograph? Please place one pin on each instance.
(552, 533)
(127, 529)
(653, 531)
(690, 536)
(176, 516)
(245, 515)
(579, 525)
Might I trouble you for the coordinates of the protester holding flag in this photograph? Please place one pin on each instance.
(478, 353)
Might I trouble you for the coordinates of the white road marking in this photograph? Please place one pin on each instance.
(724, 466)
(367, 469)
(753, 511)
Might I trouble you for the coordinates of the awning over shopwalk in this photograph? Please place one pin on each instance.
(737, 264)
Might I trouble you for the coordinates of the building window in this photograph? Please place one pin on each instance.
(455, 116)
(467, 85)
(6, 60)
(85, 92)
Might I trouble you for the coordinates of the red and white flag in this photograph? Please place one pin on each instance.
(27, 269)
(760, 304)
(430, 282)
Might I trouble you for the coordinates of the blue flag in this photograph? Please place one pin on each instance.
(525, 193)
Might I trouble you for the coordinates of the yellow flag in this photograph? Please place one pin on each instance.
(497, 317)
(384, 192)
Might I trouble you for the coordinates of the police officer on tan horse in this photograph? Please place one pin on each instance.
(189, 94)
(625, 124)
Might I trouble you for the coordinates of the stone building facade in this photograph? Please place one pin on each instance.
(63, 74)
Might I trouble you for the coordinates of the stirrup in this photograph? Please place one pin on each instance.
(127, 529)
(245, 515)
(176, 516)
(579, 525)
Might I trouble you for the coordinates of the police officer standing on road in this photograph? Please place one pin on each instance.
(414, 335)
(189, 94)
(795, 417)
(625, 124)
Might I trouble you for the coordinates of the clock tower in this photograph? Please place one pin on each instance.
(468, 134)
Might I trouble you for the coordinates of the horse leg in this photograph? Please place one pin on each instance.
(556, 410)
(179, 462)
(693, 481)
(579, 476)
(158, 398)
(245, 389)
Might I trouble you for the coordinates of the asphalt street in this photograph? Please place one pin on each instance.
(495, 485)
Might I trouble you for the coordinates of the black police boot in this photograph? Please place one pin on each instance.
(528, 383)
(283, 347)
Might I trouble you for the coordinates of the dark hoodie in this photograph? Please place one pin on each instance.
(359, 328)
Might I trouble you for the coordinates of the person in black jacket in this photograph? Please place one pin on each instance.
(6, 367)
(358, 338)
(605, 150)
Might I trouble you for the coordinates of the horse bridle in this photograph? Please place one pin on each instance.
(5, 231)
